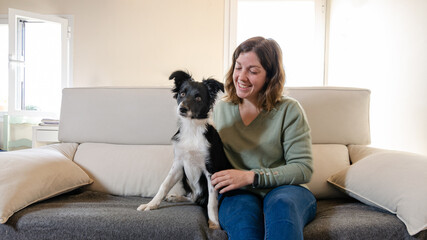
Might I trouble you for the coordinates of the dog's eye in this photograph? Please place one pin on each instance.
(198, 99)
(182, 94)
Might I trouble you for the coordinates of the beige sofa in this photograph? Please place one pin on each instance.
(116, 150)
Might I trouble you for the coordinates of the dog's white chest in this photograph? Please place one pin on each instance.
(192, 149)
(192, 137)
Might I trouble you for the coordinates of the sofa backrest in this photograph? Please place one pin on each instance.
(131, 116)
(148, 115)
(126, 134)
(337, 115)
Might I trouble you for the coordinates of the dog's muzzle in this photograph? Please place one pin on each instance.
(183, 110)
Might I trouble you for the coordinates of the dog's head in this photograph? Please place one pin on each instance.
(195, 99)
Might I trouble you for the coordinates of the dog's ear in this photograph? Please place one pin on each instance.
(213, 88)
(179, 77)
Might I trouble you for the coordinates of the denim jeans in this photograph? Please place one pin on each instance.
(282, 214)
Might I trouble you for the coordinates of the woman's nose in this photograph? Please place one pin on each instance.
(243, 75)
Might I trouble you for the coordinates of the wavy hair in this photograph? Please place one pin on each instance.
(270, 57)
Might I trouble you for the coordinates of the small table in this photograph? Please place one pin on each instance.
(43, 135)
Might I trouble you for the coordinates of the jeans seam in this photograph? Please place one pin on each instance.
(309, 208)
(266, 232)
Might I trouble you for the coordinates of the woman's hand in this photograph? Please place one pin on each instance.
(232, 179)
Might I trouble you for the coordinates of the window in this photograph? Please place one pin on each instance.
(4, 43)
(38, 63)
(297, 25)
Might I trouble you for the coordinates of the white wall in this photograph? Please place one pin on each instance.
(382, 45)
(138, 43)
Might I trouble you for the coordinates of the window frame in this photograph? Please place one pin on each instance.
(4, 20)
(66, 75)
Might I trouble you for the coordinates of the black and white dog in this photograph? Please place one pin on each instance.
(198, 148)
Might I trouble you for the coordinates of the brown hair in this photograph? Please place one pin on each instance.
(270, 57)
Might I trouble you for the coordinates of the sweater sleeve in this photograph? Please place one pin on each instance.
(298, 161)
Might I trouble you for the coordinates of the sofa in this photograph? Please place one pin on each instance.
(116, 150)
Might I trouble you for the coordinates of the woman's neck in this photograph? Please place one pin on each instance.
(248, 111)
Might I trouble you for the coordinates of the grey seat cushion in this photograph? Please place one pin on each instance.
(92, 215)
(349, 219)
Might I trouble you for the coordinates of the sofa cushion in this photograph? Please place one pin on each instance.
(327, 159)
(118, 115)
(138, 170)
(337, 115)
(126, 170)
(349, 219)
(394, 181)
(29, 176)
(94, 215)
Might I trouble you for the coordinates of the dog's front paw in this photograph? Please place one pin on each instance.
(147, 207)
(213, 225)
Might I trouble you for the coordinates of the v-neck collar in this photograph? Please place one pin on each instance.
(252, 123)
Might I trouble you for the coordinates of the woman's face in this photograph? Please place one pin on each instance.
(248, 76)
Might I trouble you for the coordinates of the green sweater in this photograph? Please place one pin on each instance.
(276, 144)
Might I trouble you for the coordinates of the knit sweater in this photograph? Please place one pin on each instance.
(276, 144)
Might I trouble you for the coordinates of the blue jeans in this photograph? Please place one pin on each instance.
(282, 214)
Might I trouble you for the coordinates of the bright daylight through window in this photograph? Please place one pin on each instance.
(298, 27)
(38, 63)
(40, 84)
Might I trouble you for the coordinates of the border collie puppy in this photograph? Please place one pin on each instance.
(198, 148)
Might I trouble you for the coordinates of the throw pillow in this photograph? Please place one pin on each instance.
(32, 175)
(391, 180)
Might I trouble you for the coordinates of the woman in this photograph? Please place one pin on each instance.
(267, 139)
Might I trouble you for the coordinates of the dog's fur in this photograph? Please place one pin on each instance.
(198, 148)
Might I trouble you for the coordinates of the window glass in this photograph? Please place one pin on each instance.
(293, 25)
(42, 66)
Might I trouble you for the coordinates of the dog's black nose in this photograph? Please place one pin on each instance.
(183, 110)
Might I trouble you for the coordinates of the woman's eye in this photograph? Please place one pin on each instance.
(198, 99)
(182, 94)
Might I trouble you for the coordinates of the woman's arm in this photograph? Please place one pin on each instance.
(296, 142)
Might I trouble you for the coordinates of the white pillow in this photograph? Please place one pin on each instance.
(391, 180)
(32, 175)
(126, 170)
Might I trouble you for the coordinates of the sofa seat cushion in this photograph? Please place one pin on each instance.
(350, 219)
(94, 215)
